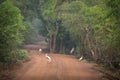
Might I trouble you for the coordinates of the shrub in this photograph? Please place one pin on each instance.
(14, 57)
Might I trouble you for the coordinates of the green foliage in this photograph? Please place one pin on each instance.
(93, 27)
(10, 26)
(114, 15)
(49, 15)
(31, 10)
(48, 9)
(14, 57)
(29, 34)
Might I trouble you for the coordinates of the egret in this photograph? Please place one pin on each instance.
(48, 58)
(80, 58)
(72, 50)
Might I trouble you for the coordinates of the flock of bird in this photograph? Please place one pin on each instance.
(48, 58)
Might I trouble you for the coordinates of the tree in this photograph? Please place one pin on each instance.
(50, 16)
(114, 15)
(74, 21)
(11, 26)
(33, 19)
(83, 22)
(114, 23)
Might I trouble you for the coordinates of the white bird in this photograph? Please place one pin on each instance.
(40, 50)
(72, 50)
(80, 58)
(48, 58)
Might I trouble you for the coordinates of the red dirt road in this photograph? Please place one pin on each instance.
(62, 67)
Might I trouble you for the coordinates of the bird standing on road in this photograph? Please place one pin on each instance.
(40, 50)
(48, 58)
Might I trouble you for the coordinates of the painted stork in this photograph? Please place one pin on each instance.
(48, 58)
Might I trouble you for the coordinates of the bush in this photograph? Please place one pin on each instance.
(14, 57)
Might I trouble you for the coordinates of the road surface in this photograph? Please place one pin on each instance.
(62, 67)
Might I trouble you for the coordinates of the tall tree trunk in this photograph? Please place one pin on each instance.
(55, 36)
(54, 43)
(50, 43)
(61, 46)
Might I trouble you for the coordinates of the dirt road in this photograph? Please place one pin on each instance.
(62, 67)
